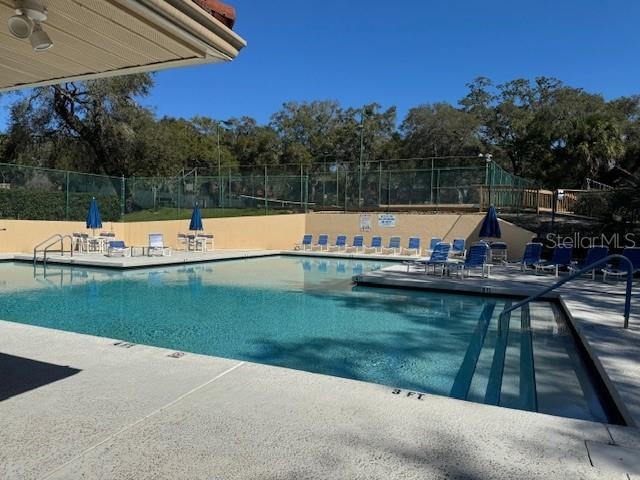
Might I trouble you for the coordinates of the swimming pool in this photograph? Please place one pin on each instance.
(304, 313)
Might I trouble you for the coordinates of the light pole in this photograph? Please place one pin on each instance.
(487, 181)
(218, 122)
(363, 115)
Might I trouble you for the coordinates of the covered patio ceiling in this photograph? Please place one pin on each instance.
(99, 38)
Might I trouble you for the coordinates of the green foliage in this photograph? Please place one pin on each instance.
(540, 129)
(28, 204)
(597, 204)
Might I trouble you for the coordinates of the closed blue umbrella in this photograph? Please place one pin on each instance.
(490, 226)
(196, 220)
(93, 216)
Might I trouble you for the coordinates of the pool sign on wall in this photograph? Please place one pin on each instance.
(386, 220)
(365, 222)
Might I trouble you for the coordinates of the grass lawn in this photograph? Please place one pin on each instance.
(185, 213)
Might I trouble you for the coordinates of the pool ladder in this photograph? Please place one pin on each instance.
(49, 243)
(582, 271)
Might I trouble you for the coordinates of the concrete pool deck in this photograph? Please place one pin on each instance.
(97, 408)
(75, 406)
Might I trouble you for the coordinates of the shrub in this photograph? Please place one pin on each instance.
(25, 204)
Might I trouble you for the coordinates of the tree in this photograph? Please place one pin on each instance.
(439, 129)
(101, 115)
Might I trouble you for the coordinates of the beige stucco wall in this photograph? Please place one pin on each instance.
(264, 232)
(445, 226)
(272, 232)
(23, 235)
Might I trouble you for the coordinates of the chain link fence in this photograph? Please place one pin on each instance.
(28, 192)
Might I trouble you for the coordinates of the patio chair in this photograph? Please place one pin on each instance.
(561, 258)
(594, 254)
(394, 246)
(183, 241)
(207, 241)
(413, 246)
(157, 246)
(531, 255)
(458, 248)
(633, 254)
(476, 259)
(117, 248)
(307, 241)
(433, 242)
(323, 242)
(499, 252)
(439, 258)
(358, 244)
(340, 245)
(80, 241)
(376, 245)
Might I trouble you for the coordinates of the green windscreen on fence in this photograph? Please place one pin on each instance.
(28, 192)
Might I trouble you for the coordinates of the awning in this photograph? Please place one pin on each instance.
(99, 38)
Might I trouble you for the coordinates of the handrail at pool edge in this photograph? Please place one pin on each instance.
(582, 271)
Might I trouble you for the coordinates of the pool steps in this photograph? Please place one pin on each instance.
(526, 366)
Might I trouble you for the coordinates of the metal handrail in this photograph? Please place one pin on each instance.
(62, 237)
(51, 241)
(56, 236)
(582, 271)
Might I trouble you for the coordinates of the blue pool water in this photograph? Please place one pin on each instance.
(305, 313)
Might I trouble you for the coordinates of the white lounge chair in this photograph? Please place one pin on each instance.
(117, 248)
(157, 246)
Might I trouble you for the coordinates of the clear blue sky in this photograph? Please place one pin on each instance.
(405, 53)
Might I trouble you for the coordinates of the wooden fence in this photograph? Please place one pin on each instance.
(527, 199)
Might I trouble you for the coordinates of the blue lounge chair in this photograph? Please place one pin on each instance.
(376, 245)
(413, 246)
(307, 241)
(323, 242)
(340, 245)
(531, 255)
(439, 258)
(561, 258)
(117, 247)
(434, 241)
(477, 257)
(593, 255)
(458, 247)
(394, 245)
(633, 254)
(358, 244)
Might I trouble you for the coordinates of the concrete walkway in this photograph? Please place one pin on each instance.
(80, 407)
